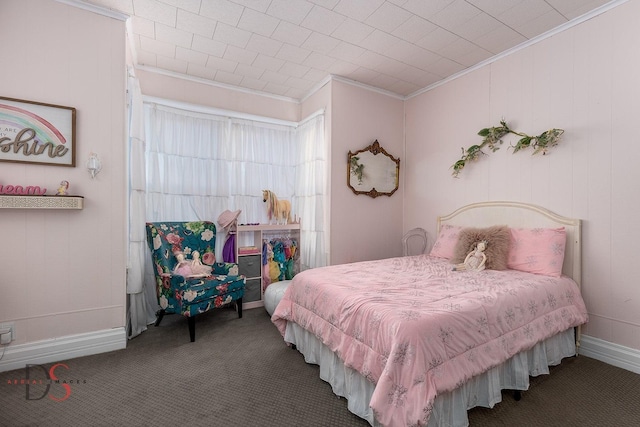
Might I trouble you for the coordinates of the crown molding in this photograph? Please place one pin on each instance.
(367, 87)
(205, 109)
(215, 84)
(96, 9)
(316, 88)
(333, 77)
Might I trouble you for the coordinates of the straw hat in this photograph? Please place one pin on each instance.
(227, 218)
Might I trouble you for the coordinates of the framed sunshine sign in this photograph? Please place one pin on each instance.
(34, 132)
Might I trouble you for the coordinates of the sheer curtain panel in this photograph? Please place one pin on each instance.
(200, 165)
(311, 192)
(197, 165)
(141, 301)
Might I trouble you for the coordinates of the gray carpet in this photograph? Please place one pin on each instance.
(239, 373)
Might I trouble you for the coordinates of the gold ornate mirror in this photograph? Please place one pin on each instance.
(373, 171)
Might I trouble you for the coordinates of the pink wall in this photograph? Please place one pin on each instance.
(63, 272)
(364, 228)
(584, 80)
(194, 92)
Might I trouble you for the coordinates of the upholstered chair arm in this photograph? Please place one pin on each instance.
(225, 268)
(172, 281)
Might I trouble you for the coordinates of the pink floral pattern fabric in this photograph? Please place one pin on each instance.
(537, 250)
(415, 328)
(445, 244)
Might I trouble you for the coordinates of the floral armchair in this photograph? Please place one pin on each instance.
(188, 280)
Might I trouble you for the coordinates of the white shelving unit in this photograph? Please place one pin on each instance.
(250, 262)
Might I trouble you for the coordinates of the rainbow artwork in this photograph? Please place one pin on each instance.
(27, 136)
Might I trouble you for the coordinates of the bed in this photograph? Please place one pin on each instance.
(410, 342)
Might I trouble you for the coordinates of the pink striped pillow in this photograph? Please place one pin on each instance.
(445, 244)
(537, 250)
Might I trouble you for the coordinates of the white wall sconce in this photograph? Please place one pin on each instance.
(93, 165)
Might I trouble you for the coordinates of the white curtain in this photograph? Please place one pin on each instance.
(200, 164)
(311, 192)
(141, 301)
(197, 165)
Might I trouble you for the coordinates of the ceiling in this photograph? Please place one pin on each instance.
(287, 48)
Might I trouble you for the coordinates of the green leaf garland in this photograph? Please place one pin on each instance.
(492, 139)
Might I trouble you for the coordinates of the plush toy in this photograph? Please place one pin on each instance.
(476, 259)
(183, 267)
(190, 268)
(197, 268)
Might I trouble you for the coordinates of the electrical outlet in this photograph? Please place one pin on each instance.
(7, 332)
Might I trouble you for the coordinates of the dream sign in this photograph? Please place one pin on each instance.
(19, 190)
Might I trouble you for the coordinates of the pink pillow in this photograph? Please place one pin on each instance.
(537, 250)
(445, 244)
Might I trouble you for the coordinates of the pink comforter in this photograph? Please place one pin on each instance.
(416, 329)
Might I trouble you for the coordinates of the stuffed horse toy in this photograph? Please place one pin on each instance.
(280, 210)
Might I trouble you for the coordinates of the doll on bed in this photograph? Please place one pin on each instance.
(476, 259)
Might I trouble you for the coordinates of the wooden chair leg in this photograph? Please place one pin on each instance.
(239, 306)
(192, 327)
(159, 316)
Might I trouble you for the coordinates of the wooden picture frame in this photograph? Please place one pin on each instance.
(372, 171)
(37, 133)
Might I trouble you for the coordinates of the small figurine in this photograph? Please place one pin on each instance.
(278, 210)
(64, 187)
(475, 260)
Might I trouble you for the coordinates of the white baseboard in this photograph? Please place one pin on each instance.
(613, 354)
(63, 348)
(54, 350)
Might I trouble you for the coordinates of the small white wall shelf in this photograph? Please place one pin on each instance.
(41, 202)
